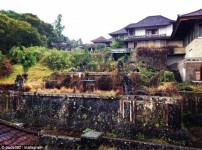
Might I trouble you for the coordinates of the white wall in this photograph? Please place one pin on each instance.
(166, 30)
(139, 32)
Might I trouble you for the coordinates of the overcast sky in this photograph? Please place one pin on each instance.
(89, 19)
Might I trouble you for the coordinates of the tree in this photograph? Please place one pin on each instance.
(17, 33)
(58, 26)
(117, 43)
(24, 30)
(25, 57)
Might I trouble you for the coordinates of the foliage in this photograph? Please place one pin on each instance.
(80, 57)
(153, 57)
(117, 43)
(57, 60)
(91, 66)
(87, 130)
(137, 82)
(26, 57)
(11, 14)
(168, 76)
(16, 32)
(145, 73)
(58, 26)
(5, 67)
(169, 88)
(24, 30)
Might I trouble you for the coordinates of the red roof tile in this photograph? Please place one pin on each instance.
(11, 134)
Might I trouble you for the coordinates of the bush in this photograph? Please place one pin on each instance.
(80, 57)
(91, 66)
(24, 56)
(117, 43)
(5, 66)
(57, 60)
(168, 76)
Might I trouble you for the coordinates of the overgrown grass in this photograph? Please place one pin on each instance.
(35, 74)
(17, 69)
(38, 72)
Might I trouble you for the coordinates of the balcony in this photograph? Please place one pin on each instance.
(121, 50)
(146, 37)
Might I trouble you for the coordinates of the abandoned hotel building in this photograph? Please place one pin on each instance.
(184, 35)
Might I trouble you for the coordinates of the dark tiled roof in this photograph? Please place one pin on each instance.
(99, 40)
(121, 31)
(194, 13)
(109, 40)
(184, 23)
(147, 39)
(151, 21)
(11, 134)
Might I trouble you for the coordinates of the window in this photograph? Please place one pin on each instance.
(130, 32)
(151, 31)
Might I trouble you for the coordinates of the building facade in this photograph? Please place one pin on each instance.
(188, 29)
(184, 36)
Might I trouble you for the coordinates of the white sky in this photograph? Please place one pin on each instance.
(89, 19)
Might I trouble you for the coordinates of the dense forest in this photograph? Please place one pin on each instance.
(28, 30)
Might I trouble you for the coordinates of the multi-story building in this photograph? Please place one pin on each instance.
(152, 31)
(119, 34)
(184, 35)
(188, 29)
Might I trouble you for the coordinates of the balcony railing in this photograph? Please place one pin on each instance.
(121, 50)
(144, 36)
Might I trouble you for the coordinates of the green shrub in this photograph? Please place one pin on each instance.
(168, 76)
(57, 60)
(79, 57)
(91, 66)
(25, 57)
(117, 43)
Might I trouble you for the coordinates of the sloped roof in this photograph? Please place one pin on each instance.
(11, 134)
(99, 40)
(151, 21)
(109, 40)
(184, 23)
(121, 31)
(194, 13)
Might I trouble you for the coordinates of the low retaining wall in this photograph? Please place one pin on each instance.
(62, 142)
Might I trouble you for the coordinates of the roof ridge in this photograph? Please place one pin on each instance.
(192, 12)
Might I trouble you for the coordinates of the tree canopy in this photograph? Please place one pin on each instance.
(24, 30)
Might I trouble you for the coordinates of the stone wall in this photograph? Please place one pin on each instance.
(70, 112)
(63, 142)
(79, 112)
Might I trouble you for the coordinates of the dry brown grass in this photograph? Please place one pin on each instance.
(40, 88)
(169, 88)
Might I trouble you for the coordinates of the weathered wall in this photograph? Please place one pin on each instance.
(188, 68)
(61, 143)
(71, 112)
(131, 45)
(194, 49)
(103, 114)
(174, 43)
